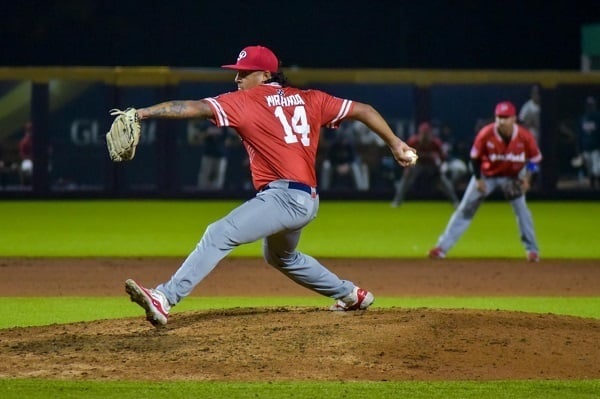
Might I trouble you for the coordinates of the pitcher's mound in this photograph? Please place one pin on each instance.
(275, 344)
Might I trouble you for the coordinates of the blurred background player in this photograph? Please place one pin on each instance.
(427, 171)
(213, 164)
(26, 154)
(342, 167)
(503, 153)
(530, 118)
(530, 113)
(589, 142)
(457, 152)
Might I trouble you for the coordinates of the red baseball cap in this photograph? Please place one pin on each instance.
(255, 58)
(505, 108)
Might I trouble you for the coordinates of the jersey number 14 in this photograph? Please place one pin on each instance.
(297, 126)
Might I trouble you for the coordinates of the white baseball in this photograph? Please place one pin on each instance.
(412, 155)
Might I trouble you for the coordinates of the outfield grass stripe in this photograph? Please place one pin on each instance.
(86, 228)
(20, 312)
(42, 389)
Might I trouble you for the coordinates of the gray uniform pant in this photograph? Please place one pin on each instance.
(463, 216)
(277, 215)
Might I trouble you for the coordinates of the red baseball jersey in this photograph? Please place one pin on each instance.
(280, 128)
(499, 158)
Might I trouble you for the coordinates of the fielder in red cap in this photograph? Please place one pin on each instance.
(280, 127)
(505, 109)
(504, 156)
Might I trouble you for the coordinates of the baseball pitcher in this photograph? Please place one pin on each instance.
(279, 126)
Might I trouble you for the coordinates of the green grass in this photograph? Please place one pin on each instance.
(43, 389)
(342, 229)
(37, 311)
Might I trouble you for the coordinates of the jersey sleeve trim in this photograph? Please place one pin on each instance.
(218, 111)
(344, 110)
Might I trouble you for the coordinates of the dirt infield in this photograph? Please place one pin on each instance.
(307, 343)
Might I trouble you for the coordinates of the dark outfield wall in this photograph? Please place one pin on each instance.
(168, 158)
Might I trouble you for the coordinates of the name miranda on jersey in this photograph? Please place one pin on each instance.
(276, 100)
(508, 157)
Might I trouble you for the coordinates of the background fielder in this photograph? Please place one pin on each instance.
(503, 155)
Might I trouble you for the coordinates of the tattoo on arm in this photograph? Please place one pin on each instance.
(178, 110)
(171, 108)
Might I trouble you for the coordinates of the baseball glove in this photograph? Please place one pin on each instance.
(512, 189)
(124, 135)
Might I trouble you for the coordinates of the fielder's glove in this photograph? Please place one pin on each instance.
(124, 135)
(512, 189)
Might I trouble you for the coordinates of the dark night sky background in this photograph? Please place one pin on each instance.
(515, 35)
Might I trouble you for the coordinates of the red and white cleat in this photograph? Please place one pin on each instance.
(153, 301)
(437, 253)
(358, 299)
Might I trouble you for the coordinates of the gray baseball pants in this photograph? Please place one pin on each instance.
(463, 216)
(277, 215)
